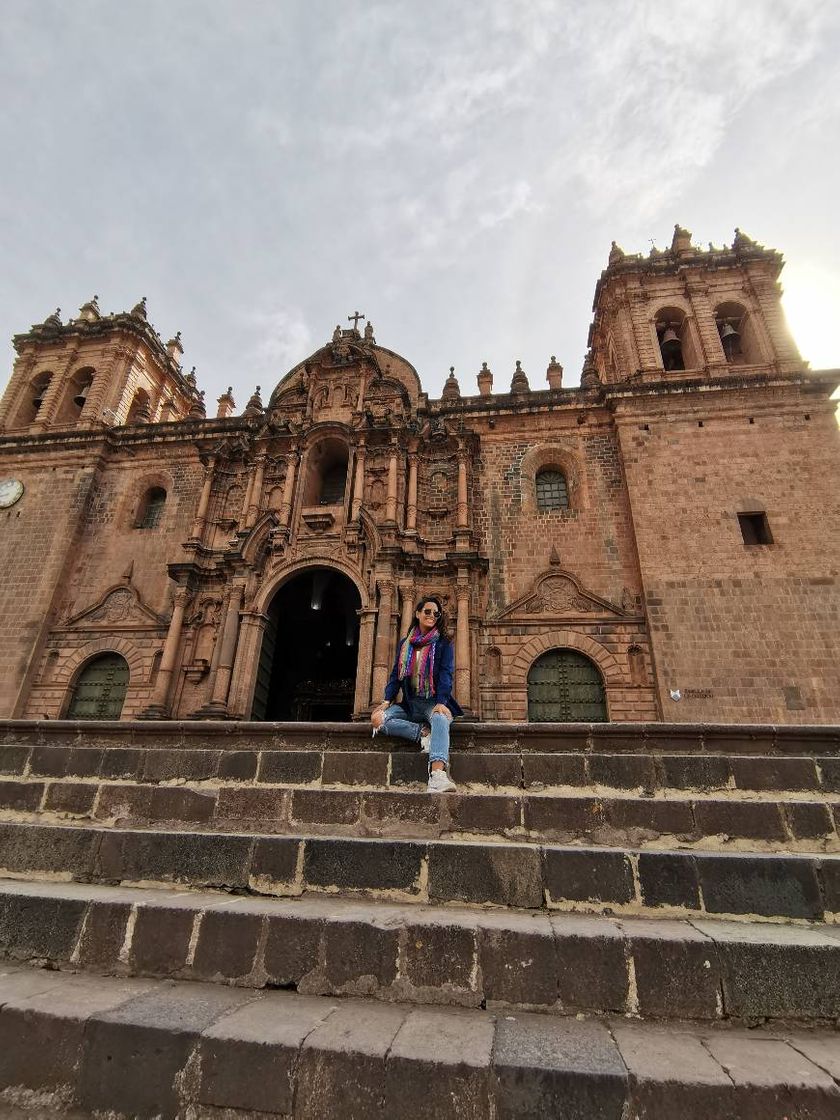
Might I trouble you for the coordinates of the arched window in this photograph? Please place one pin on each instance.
(33, 399)
(736, 334)
(565, 687)
(332, 485)
(141, 409)
(326, 473)
(676, 345)
(75, 394)
(100, 688)
(151, 508)
(552, 490)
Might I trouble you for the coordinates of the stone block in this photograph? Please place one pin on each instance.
(701, 772)
(208, 859)
(354, 768)
(554, 770)
(85, 762)
(829, 877)
(546, 1067)
(324, 806)
(587, 875)
(808, 820)
(192, 765)
(771, 1080)
(664, 818)
(569, 816)
(829, 769)
(591, 963)
(123, 802)
(518, 961)
(289, 767)
(668, 879)
(275, 860)
(774, 773)
(676, 967)
(508, 875)
(438, 953)
(160, 940)
(70, 797)
(482, 813)
(133, 1057)
(622, 771)
(227, 945)
(409, 768)
(237, 766)
(122, 762)
(39, 927)
(49, 762)
(248, 803)
(292, 948)
(363, 864)
(752, 820)
(175, 803)
(490, 769)
(21, 796)
(360, 956)
(439, 1066)
(13, 758)
(771, 886)
(382, 808)
(247, 1060)
(103, 935)
(343, 1059)
(25, 847)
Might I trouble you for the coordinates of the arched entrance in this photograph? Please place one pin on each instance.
(100, 688)
(308, 661)
(565, 687)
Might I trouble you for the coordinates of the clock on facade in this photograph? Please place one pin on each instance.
(11, 491)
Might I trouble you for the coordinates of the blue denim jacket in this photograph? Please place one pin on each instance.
(444, 671)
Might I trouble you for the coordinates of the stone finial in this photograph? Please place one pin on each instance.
(681, 242)
(198, 410)
(190, 378)
(226, 404)
(451, 390)
(138, 311)
(485, 380)
(554, 374)
(742, 241)
(369, 333)
(254, 407)
(589, 378)
(89, 312)
(554, 558)
(175, 348)
(54, 320)
(519, 383)
(616, 253)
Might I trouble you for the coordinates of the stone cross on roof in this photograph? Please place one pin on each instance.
(356, 316)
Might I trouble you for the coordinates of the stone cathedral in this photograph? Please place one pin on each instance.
(659, 543)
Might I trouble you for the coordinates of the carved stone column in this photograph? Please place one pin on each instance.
(288, 489)
(248, 651)
(391, 500)
(227, 653)
(647, 355)
(358, 482)
(255, 494)
(200, 523)
(367, 622)
(382, 647)
(406, 605)
(19, 385)
(411, 507)
(463, 674)
(463, 509)
(54, 393)
(159, 707)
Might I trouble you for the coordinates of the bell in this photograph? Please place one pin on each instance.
(38, 401)
(731, 340)
(81, 396)
(670, 341)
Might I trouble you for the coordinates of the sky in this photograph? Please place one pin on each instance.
(261, 169)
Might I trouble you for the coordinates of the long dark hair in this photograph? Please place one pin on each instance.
(441, 620)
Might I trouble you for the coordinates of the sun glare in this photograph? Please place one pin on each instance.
(811, 302)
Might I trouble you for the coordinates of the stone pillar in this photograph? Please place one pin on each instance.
(367, 622)
(246, 664)
(647, 352)
(407, 606)
(411, 508)
(463, 510)
(19, 385)
(358, 482)
(54, 393)
(159, 707)
(391, 500)
(255, 494)
(200, 523)
(227, 653)
(288, 489)
(463, 675)
(382, 646)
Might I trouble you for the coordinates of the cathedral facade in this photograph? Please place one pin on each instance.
(659, 543)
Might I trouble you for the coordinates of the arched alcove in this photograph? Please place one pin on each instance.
(98, 691)
(564, 686)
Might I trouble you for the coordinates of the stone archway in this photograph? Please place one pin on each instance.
(565, 686)
(310, 647)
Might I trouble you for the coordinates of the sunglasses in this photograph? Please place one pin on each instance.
(431, 611)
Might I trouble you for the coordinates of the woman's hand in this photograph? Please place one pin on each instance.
(442, 710)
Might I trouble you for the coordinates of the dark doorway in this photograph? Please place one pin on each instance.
(100, 688)
(308, 662)
(565, 687)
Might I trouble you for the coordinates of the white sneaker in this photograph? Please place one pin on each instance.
(425, 739)
(375, 731)
(440, 782)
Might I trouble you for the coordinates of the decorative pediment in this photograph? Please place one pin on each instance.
(557, 593)
(121, 608)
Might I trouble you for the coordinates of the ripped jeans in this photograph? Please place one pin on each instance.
(404, 720)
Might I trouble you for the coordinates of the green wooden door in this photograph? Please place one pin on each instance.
(565, 687)
(100, 689)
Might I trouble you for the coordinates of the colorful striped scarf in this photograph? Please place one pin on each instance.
(417, 661)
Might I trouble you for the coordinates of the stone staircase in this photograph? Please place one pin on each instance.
(249, 920)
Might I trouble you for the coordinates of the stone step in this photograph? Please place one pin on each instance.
(390, 765)
(736, 820)
(554, 962)
(609, 738)
(529, 876)
(142, 1048)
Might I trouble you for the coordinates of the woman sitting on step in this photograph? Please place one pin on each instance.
(424, 669)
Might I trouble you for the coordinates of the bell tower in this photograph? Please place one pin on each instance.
(686, 312)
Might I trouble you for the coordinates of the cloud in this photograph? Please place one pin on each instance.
(281, 339)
